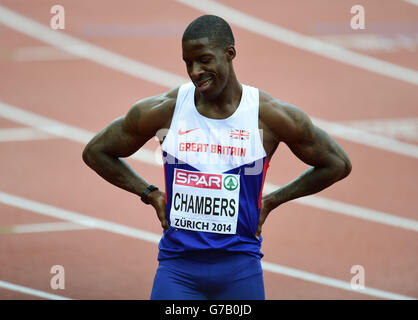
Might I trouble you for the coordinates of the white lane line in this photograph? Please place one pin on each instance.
(367, 138)
(62, 130)
(86, 50)
(303, 42)
(404, 128)
(154, 158)
(415, 2)
(77, 218)
(41, 53)
(23, 134)
(351, 210)
(331, 282)
(97, 223)
(140, 70)
(30, 291)
(42, 227)
(373, 43)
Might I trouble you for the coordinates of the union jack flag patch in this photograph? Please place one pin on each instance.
(240, 134)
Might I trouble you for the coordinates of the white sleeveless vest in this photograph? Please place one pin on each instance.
(214, 173)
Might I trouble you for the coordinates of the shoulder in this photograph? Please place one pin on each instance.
(148, 115)
(287, 122)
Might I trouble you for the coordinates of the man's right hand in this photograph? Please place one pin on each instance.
(157, 200)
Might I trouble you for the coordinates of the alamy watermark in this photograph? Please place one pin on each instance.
(358, 21)
(58, 280)
(58, 19)
(358, 280)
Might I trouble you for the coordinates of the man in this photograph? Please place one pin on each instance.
(222, 135)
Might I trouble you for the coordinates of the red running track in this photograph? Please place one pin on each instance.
(106, 265)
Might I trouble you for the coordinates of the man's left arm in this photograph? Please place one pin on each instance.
(312, 145)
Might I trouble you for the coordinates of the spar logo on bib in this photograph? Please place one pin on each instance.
(231, 183)
(198, 179)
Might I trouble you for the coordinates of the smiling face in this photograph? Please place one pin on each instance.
(208, 65)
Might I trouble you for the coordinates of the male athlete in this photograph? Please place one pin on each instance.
(222, 135)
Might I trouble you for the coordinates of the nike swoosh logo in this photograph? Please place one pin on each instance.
(187, 131)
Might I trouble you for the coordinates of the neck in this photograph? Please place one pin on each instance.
(230, 95)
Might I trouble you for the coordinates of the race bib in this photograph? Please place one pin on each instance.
(205, 202)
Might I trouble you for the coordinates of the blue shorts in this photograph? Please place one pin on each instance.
(209, 275)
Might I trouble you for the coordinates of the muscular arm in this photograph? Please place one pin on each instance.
(312, 145)
(124, 136)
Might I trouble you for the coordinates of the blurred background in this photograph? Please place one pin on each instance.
(68, 68)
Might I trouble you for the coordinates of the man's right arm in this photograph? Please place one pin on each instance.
(124, 136)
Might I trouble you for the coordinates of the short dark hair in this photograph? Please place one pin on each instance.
(209, 26)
